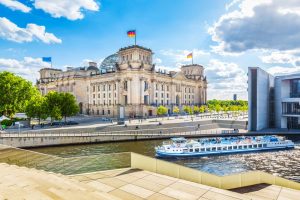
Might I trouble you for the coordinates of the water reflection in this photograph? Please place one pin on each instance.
(281, 163)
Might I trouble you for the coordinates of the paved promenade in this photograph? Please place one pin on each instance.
(128, 184)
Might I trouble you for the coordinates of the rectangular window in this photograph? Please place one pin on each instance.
(103, 88)
(125, 85)
(125, 99)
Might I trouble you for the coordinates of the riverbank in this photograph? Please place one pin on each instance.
(203, 128)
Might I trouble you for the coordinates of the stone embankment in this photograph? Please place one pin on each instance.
(118, 133)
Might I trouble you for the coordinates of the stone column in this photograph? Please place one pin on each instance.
(142, 90)
(128, 91)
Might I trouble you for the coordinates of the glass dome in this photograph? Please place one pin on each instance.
(109, 63)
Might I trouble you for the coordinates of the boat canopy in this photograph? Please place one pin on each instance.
(178, 140)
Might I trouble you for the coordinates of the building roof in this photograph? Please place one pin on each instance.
(135, 46)
(192, 65)
(48, 68)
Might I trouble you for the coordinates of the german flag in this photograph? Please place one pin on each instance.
(190, 55)
(131, 33)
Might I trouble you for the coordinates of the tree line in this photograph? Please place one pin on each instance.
(211, 106)
(19, 95)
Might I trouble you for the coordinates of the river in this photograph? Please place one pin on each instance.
(282, 163)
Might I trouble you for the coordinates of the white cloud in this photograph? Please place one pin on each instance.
(282, 57)
(27, 68)
(259, 24)
(181, 55)
(70, 9)
(225, 79)
(231, 4)
(15, 5)
(10, 31)
(279, 70)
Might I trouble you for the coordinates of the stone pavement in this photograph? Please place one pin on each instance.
(128, 184)
(137, 184)
(266, 191)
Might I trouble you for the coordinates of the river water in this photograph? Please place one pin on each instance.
(281, 163)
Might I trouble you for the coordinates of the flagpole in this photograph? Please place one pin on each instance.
(135, 38)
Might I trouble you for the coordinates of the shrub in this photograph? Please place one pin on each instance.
(6, 122)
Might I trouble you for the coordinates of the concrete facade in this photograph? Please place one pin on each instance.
(273, 101)
(259, 86)
(132, 81)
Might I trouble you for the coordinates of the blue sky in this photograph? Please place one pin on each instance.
(226, 36)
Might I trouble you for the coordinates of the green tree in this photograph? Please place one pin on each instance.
(176, 110)
(188, 110)
(218, 108)
(162, 110)
(196, 109)
(53, 105)
(37, 108)
(15, 93)
(68, 105)
(202, 109)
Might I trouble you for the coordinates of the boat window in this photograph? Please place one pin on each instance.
(250, 146)
(224, 148)
(219, 148)
(240, 147)
(202, 149)
(265, 145)
(191, 150)
(234, 147)
(207, 149)
(197, 149)
(214, 148)
(230, 147)
(259, 145)
(245, 146)
(255, 146)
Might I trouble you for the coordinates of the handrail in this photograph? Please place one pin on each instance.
(149, 132)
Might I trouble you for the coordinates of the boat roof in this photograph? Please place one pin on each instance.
(177, 139)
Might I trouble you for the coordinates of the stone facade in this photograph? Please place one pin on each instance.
(131, 82)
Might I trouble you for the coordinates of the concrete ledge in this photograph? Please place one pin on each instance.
(222, 182)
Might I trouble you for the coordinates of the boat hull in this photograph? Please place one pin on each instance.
(235, 151)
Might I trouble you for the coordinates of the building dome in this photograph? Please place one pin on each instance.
(92, 68)
(109, 63)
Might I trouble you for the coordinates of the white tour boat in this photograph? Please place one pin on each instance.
(181, 147)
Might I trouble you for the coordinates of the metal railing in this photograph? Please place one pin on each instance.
(157, 132)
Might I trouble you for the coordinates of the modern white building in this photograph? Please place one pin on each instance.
(274, 102)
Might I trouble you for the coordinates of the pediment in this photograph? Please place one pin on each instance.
(179, 76)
